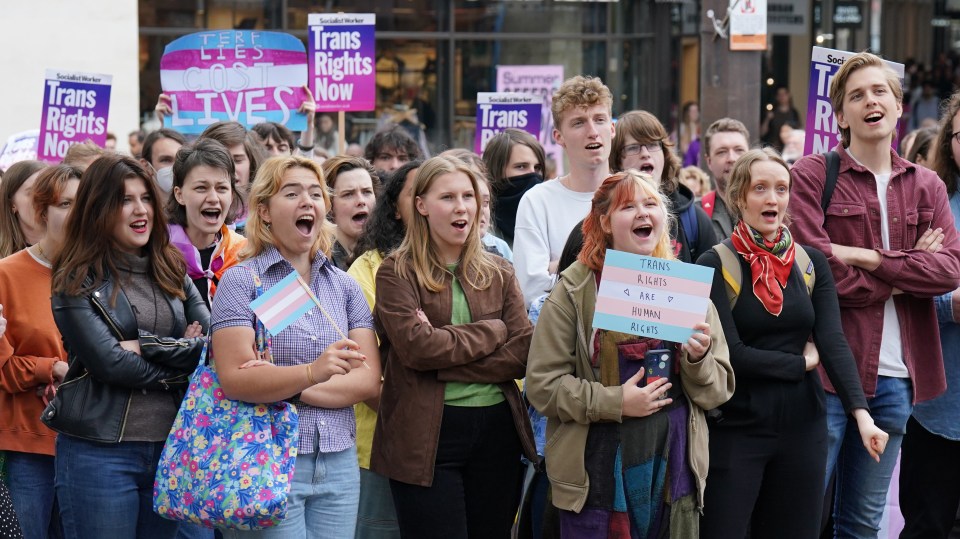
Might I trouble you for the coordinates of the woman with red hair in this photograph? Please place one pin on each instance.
(625, 458)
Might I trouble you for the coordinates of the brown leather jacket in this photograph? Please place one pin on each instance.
(419, 359)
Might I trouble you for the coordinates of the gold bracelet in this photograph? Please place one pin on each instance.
(313, 382)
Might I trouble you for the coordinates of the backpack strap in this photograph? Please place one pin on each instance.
(730, 267)
(833, 172)
(688, 220)
(707, 201)
(733, 275)
(802, 260)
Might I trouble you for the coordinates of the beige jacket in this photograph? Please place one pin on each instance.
(564, 387)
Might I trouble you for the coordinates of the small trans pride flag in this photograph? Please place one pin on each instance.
(283, 304)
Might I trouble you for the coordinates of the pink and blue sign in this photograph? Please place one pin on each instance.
(343, 61)
(821, 129)
(75, 109)
(652, 297)
(499, 111)
(241, 76)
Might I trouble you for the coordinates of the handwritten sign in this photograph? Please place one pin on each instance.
(342, 61)
(822, 132)
(541, 80)
(652, 297)
(75, 109)
(234, 75)
(498, 111)
(19, 147)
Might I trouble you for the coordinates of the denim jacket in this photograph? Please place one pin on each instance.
(939, 415)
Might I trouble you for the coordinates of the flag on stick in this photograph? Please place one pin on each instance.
(283, 304)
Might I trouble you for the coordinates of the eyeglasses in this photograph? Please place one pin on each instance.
(634, 149)
(956, 137)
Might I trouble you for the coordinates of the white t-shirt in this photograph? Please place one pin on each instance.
(545, 217)
(891, 346)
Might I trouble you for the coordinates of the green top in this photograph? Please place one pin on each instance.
(463, 394)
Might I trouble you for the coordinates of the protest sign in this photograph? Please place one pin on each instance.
(821, 130)
(652, 297)
(342, 61)
(241, 76)
(540, 80)
(75, 109)
(19, 147)
(498, 111)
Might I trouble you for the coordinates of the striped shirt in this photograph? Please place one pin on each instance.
(321, 429)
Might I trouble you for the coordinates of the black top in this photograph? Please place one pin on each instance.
(766, 351)
(202, 284)
(681, 199)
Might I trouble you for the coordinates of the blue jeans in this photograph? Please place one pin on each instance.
(376, 517)
(861, 483)
(30, 480)
(323, 499)
(106, 490)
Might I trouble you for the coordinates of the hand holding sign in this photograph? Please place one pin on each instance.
(653, 297)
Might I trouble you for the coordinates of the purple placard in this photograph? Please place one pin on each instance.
(343, 61)
(498, 111)
(821, 130)
(245, 76)
(540, 80)
(75, 109)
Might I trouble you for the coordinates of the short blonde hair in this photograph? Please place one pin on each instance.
(579, 91)
(697, 174)
(740, 177)
(268, 182)
(838, 86)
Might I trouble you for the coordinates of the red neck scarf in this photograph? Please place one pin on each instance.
(770, 263)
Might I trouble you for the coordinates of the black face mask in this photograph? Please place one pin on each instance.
(508, 199)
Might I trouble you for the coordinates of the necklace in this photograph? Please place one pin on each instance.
(42, 254)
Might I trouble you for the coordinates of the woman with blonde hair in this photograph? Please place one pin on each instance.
(590, 384)
(452, 423)
(317, 361)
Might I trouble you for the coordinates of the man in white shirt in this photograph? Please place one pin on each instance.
(548, 212)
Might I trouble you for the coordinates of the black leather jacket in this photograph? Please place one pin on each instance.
(93, 400)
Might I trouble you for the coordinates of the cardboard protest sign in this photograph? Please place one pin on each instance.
(498, 111)
(342, 61)
(540, 80)
(75, 109)
(652, 297)
(244, 76)
(19, 147)
(821, 130)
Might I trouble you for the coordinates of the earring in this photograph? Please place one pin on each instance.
(268, 226)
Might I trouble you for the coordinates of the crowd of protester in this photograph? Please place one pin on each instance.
(449, 380)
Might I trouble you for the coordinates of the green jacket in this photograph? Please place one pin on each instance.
(564, 387)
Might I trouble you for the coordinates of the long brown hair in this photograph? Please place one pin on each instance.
(944, 163)
(11, 235)
(612, 195)
(89, 248)
(478, 266)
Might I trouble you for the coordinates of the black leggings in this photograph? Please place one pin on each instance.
(476, 479)
(765, 480)
(929, 483)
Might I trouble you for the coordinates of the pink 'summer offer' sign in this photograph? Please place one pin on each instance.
(342, 61)
(822, 132)
(499, 111)
(541, 80)
(234, 75)
(652, 297)
(75, 109)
